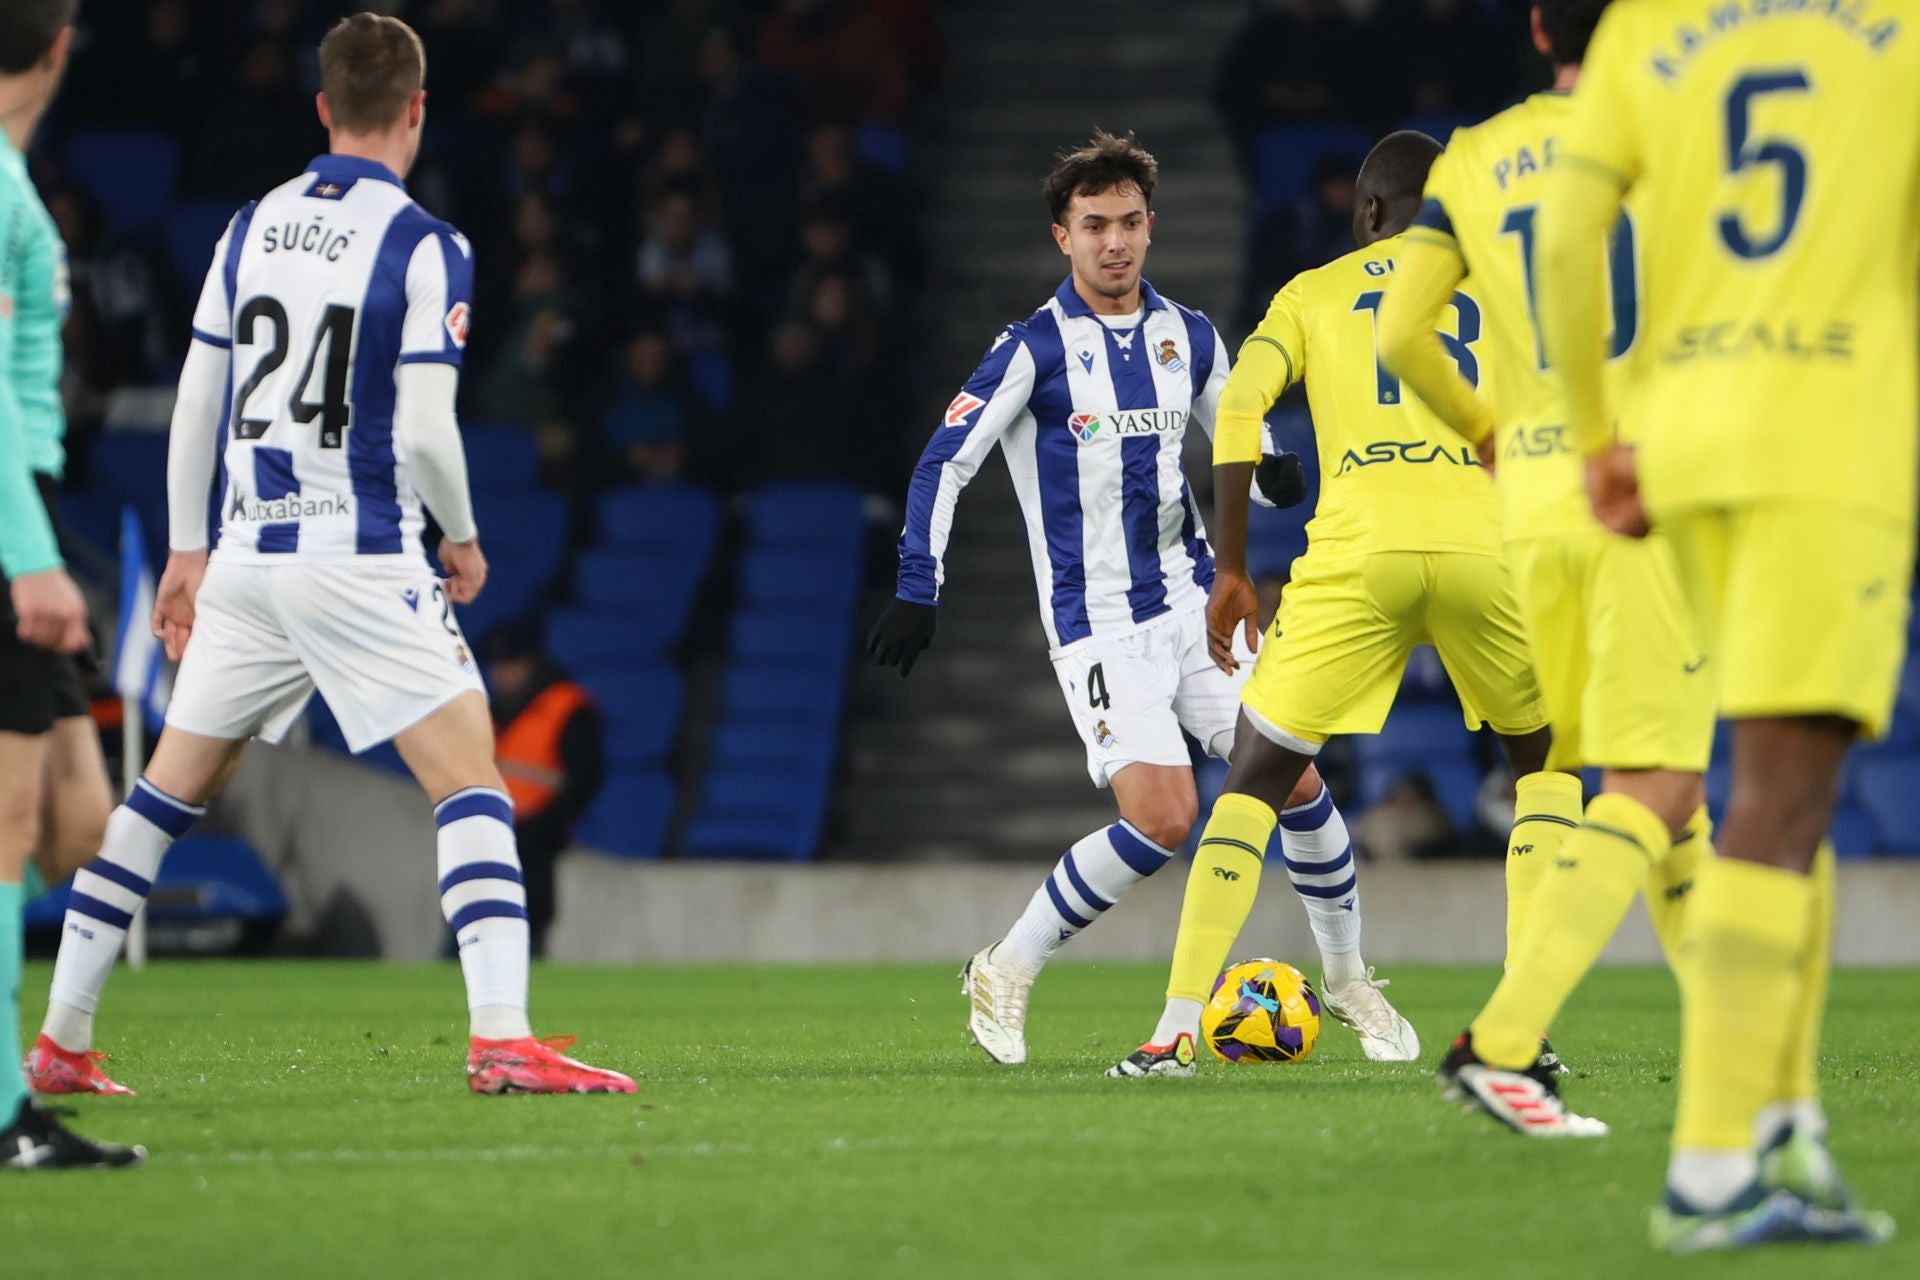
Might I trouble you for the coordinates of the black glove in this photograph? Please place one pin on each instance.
(904, 629)
(1282, 479)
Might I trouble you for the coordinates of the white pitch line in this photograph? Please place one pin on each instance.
(697, 1150)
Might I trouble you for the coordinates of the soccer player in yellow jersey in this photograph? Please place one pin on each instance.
(1404, 550)
(1771, 155)
(1623, 678)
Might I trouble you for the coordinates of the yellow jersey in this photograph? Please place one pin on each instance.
(1483, 205)
(1393, 477)
(1771, 149)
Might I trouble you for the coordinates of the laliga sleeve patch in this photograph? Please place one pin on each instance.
(964, 406)
(457, 323)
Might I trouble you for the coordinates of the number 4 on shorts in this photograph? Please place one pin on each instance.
(1097, 688)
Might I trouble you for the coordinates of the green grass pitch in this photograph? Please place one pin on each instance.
(310, 1119)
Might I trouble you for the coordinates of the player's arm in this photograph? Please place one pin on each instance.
(993, 399)
(1427, 270)
(1271, 360)
(1280, 480)
(1597, 163)
(433, 338)
(1581, 205)
(48, 608)
(193, 446)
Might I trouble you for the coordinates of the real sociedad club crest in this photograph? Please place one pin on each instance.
(1084, 426)
(1169, 356)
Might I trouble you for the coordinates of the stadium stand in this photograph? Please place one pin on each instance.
(688, 383)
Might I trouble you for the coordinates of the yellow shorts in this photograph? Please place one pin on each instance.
(1624, 680)
(1803, 606)
(1333, 659)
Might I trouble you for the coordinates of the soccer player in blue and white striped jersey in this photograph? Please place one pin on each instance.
(1089, 400)
(328, 338)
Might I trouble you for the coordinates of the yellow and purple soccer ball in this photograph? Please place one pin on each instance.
(1261, 1011)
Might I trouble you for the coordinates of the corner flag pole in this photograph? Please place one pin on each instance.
(133, 741)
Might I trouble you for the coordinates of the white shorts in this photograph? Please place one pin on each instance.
(1131, 697)
(381, 645)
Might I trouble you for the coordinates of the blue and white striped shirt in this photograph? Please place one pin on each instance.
(323, 288)
(1091, 419)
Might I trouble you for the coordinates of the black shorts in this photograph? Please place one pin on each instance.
(37, 687)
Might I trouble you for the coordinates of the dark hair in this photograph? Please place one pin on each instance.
(1106, 163)
(369, 67)
(1569, 26)
(1396, 169)
(28, 29)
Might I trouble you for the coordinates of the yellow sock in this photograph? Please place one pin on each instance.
(1672, 880)
(1546, 809)
(1220, 892)
(1800, 1065)
(1579, 905)
(1746, 931)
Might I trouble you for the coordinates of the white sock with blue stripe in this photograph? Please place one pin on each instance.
(1093, 875)
(485, 902)
(1318, 854)
(107, 893)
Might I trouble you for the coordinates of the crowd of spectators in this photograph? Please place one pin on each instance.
(1335, 73)
(691, 218)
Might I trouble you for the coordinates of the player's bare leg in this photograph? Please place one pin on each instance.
(186, 771)
(76, 799)
(451, 753)
(29, 1137)
(1748, 938)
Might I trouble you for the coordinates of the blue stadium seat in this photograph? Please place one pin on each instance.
(130, 465)
(710, 374)
(641, 708)
(1284, 157)
(1854, 834)
(584, 637)
(765, 690)
(524, 555)
(811, 636)
(629, 817)
(501, 457)
(1886, 788)
(1415, 733)
(821, 578)
(667, 516)
(656, 581)
(1456, 784)
(193, 228)
(794, 515)
(1719, 785)
(800, 745)
(130, 173)
(883, 146)
(204, 878)
(758, 812)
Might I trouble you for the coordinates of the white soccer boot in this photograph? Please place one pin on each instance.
(1527, 1102)
(1385, 1036)
(998, 1017)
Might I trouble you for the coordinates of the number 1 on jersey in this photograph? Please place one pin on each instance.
(1459, 345)
(1622, 280)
